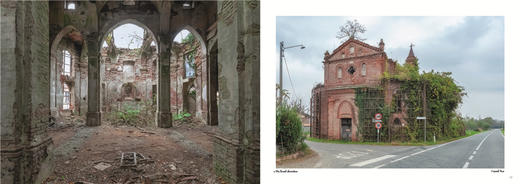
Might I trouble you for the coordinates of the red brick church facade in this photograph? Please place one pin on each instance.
(354, 64)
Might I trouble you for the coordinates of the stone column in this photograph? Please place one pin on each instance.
(25, 94)
(237, 143)
(93, 109)
(164, 115)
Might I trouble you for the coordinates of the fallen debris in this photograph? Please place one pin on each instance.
(172, 167)
(82, 182)
(128, 159)
(102, 166)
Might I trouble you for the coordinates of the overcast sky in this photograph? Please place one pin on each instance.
(472, 48)
(123, 36)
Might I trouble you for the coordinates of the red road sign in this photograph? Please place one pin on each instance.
(378, 116)
(378, 125)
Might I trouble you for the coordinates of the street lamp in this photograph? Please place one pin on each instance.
(282, 49)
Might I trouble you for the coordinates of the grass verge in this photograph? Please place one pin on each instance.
(304, 153)
(468, 133)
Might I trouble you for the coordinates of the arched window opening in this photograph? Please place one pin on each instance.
(364, 69)
(188, 46)
(66, 63)
(66, 97)
(340, 73)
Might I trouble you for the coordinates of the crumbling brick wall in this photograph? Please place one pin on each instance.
(182, 100)
(141, 74)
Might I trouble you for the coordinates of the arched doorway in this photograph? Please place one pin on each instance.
(347, 119)
(189, 81)
(128, 71)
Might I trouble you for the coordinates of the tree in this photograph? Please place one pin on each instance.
(297, 105)
(351, 29)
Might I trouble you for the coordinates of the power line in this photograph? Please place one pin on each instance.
(290, 79)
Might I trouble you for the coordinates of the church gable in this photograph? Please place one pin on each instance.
(353, 48)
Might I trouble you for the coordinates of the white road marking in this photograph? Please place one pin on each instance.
(366, 162)
(422, 151)
(478, 147)
(350, 155)
(379, 166)
(399, 159)
(465, 165)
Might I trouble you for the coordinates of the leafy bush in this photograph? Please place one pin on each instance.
(289, 129)
(442, 96)
(182, 116)
(481, 124)
(129, 116)
(139, 114)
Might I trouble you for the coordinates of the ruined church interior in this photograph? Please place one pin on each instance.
(130, 92)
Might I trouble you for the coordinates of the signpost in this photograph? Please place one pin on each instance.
(422, 117)
(378, 116)
(378, 126)
(378, 121)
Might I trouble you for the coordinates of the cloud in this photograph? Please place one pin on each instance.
(472, 48)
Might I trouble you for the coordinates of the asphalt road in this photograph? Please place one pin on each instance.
(484, 150)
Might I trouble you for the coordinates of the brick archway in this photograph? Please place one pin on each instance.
(346, 109)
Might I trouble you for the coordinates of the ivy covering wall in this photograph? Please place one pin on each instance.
(369, 102)
(439, 92)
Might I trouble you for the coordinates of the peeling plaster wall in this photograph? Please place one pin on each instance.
(237, 145)
(25, 99)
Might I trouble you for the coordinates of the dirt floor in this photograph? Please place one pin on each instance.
(181, 154)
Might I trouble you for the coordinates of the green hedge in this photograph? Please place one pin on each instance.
(289, 133)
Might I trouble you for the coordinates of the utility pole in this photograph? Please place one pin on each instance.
(282, 49)
(281, 74)
(424, 109)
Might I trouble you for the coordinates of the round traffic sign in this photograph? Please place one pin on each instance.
(378, 125)
(378, 116)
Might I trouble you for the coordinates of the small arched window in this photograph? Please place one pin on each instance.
(66, 62)
(340, 73)
(189, 64)
(363, 69)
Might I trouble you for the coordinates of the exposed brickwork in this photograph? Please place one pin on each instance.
(127, 67)
(225, 159)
